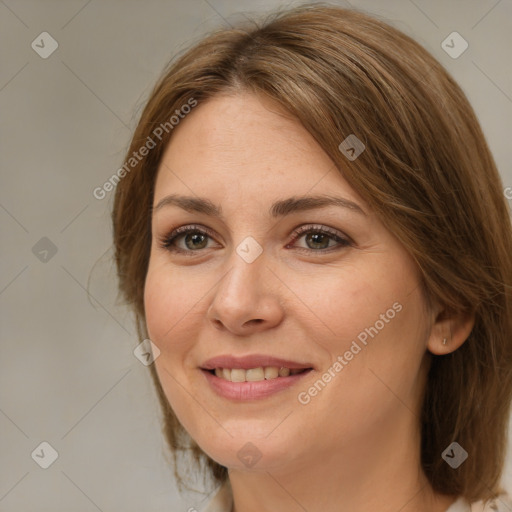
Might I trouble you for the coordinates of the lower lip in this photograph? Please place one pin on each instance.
(240, 391)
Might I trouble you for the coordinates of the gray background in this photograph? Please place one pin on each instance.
(68, 375)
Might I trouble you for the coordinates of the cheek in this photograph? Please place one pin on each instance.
(169, 303)
(158, 305)
(343, 301)
(169, 307)
(378, 304)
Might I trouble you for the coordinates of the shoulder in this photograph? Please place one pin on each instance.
(502, 503)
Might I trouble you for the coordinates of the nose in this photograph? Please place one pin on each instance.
(246, 300)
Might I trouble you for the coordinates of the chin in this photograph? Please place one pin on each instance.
(248, 453)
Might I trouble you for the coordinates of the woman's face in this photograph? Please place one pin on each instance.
(272, 275)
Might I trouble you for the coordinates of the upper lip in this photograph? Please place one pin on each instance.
(251, 361)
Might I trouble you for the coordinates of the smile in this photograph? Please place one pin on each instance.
(238, 384)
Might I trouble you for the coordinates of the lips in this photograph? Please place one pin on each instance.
(252, 361)
(252, 377)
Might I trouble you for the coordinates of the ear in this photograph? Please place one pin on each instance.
(455, 328)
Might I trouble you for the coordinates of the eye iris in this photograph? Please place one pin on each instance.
(195, 237)
(314, 238)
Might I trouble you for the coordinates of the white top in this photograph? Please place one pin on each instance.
(222, 501)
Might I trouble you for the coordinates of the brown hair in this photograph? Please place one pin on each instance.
(427, 172)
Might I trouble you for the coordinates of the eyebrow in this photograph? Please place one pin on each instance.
(280, 208)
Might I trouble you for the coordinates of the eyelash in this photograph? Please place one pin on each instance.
(167, 242)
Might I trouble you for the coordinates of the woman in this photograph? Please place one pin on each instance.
(312, 233)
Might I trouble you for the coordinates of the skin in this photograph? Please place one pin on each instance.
(355, 445)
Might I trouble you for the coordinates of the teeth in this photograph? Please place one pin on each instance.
(271, 372)
(237, 375)
(254, 374)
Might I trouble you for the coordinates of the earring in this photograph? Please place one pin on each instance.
(444, 341)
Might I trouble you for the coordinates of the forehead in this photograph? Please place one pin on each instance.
(248, 144)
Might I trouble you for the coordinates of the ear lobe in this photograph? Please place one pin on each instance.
(449, 332)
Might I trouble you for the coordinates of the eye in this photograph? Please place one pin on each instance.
(319, 238)
(193, 237)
